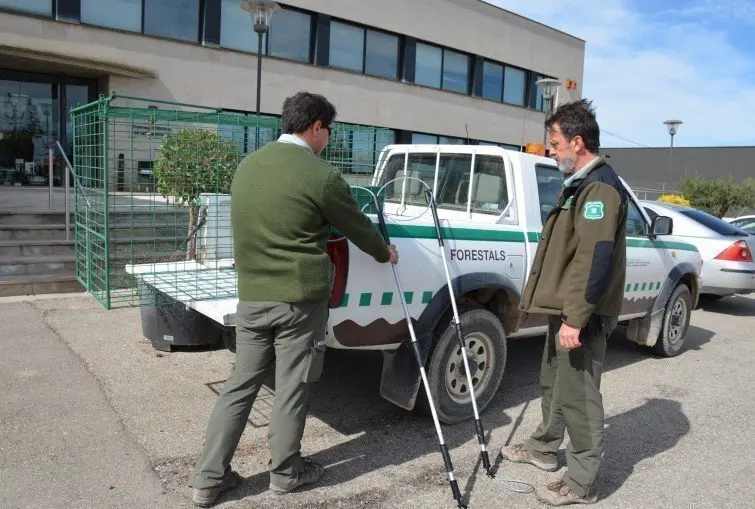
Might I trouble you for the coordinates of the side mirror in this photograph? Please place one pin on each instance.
(662, 225)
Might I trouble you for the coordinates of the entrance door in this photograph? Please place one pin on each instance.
(29, 121)
(33, 115)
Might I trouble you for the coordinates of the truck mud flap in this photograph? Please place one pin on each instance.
(400, 380)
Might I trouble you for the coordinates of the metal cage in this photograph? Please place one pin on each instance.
(151, 194)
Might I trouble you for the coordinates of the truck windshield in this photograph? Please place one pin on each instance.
(550, 181)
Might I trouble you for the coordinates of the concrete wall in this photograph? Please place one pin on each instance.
(225, 78)
(650, 168)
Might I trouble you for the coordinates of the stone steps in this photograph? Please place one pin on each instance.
(63, 282)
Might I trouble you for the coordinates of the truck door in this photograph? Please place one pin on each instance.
(648, 264)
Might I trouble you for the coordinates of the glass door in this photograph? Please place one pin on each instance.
(29, 122)
(34, 114)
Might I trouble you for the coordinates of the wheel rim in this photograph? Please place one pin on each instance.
(481, 358)
(677, 321)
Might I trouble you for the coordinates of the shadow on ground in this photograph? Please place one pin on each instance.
(732, 306)
(347, 399)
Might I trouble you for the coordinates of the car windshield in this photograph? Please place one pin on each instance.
(717, 225)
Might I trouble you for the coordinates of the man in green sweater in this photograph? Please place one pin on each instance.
(284, 200)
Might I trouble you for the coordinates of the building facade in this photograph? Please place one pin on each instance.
(652, 171)
(425, 71)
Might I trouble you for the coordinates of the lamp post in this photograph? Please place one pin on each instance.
(549, 88)
(672, 126)
(261, 12)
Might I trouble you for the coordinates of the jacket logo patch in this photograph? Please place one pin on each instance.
(593, 210)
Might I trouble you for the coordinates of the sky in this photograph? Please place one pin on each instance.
(647, 61)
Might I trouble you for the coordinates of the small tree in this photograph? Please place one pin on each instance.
(718, 196)
(192, 162)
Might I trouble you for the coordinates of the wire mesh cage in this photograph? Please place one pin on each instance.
(151, 194)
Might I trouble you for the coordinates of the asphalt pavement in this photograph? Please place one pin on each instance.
(92, 416)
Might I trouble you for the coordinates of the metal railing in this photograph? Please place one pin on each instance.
(67, 186)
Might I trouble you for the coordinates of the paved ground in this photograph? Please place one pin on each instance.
(92, 416)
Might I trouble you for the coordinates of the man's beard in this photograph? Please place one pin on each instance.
(567, 164)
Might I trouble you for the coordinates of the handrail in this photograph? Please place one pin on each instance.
(75, 177)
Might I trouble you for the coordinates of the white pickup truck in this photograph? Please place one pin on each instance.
(491, 204)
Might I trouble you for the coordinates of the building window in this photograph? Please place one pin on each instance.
(35, 6)
(492, 81)
(455, 72)
(174, 19)
(429, 65)
(290, 35)
(363, 50)
(346, 46)
(539, 104)
(236, 28)
(381, 56)
(120, 14)
(514, 84)
(441, 68)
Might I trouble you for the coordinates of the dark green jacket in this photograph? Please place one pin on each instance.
(284, 199)
(580, 264)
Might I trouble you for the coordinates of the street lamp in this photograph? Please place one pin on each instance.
(672, 126)
(549, 89)
(261, 12)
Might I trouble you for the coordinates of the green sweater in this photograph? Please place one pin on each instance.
(284, 199)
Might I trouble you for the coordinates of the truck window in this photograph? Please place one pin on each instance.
(420, 166)
(636, 226)
(489, 192)
(550, 181)
(453, 181)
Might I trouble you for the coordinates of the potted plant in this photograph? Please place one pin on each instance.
(190, 163)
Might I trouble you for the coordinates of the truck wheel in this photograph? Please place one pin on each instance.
(675, 322)
(486, 352)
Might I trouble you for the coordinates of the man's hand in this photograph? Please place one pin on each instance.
(394, 254)
(568, 336)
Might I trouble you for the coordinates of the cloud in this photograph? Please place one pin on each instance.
(644, 67)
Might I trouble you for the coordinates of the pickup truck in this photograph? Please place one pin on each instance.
(491, 204)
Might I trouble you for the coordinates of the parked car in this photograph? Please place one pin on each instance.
(746, 223)
(726, 249)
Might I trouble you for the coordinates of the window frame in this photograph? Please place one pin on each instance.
(200, 23)
(400, 41)
(511, 216)
(646, 227)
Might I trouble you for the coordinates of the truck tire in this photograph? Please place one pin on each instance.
(675, 322)
(486, 350)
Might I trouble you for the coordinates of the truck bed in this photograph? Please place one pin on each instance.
(210, 290)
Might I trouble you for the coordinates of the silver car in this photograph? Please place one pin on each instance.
(726, 250)
(746, 223)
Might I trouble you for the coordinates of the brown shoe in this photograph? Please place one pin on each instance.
(311, 473)
(558, 493)
(518, 454)
(205, 497)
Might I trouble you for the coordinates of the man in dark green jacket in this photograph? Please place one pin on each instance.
(577, 279)
(284, 200)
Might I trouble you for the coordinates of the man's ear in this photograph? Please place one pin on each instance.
(578, 144)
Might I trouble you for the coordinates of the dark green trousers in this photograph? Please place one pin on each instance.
(571, 401)
(287, 337)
